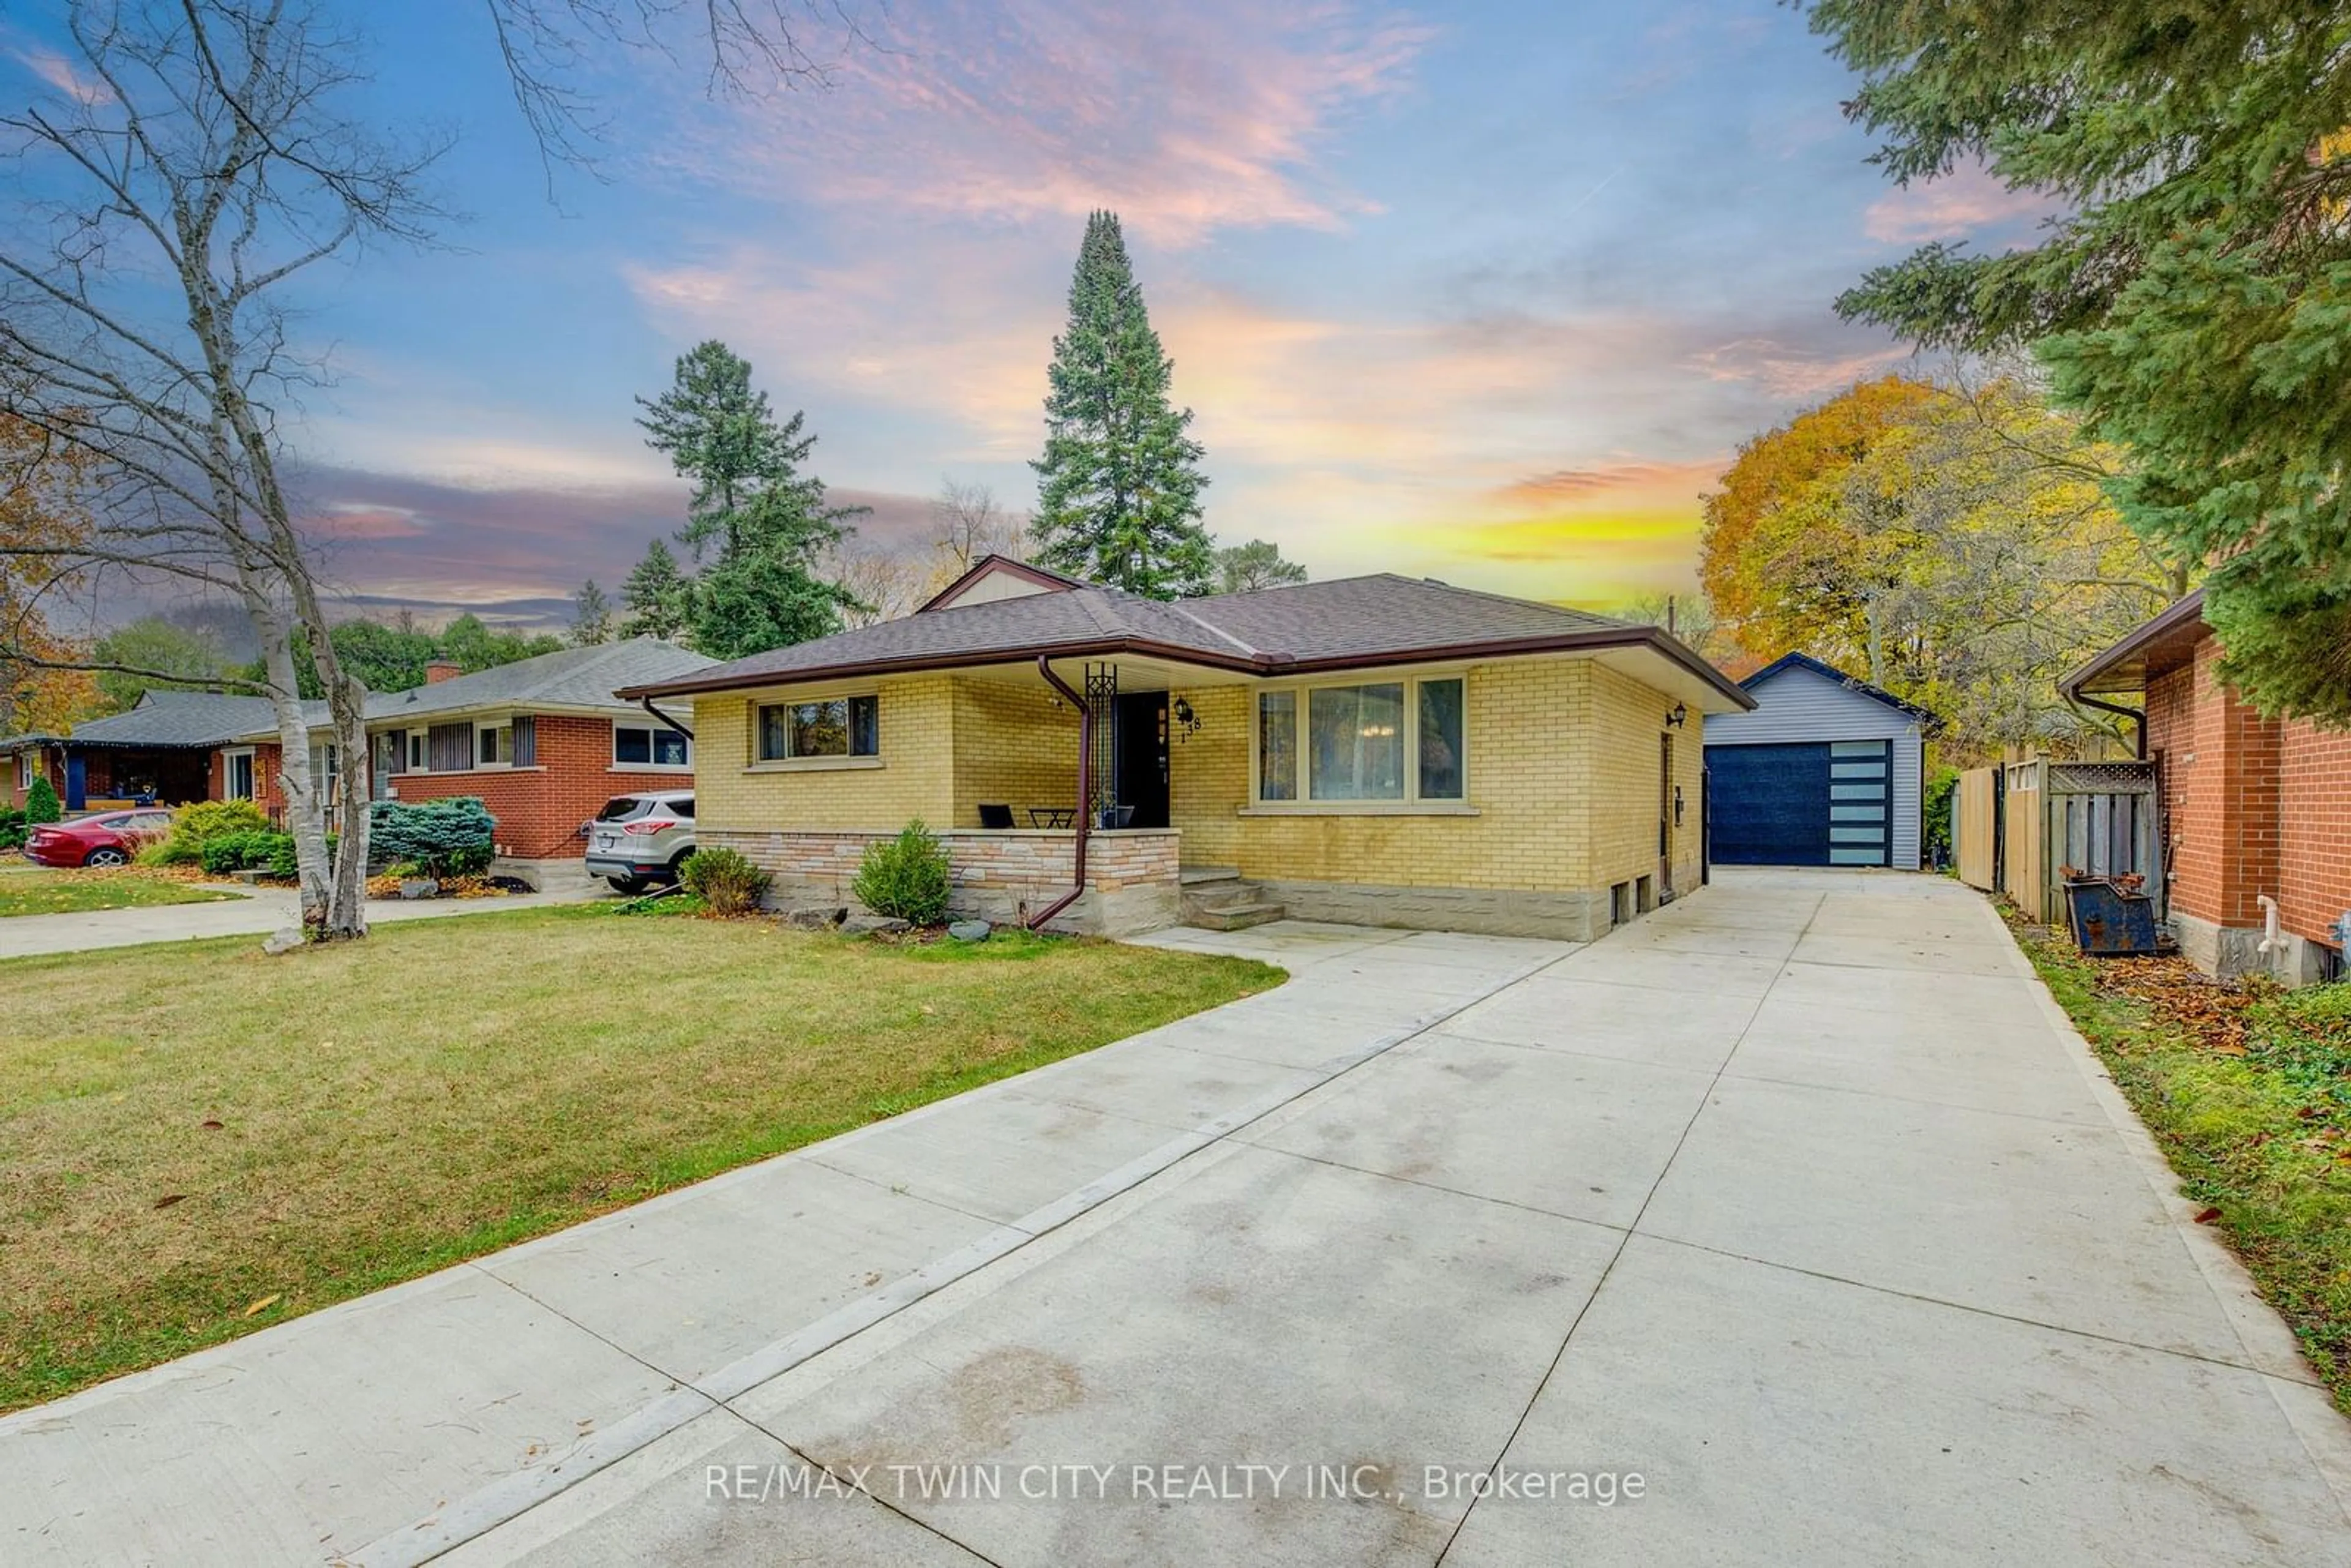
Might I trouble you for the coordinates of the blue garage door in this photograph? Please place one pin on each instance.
(1825, 802)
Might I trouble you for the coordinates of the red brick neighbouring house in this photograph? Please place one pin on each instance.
(2253, 807)
(542, 743)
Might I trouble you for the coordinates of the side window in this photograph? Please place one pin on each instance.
(682, 809)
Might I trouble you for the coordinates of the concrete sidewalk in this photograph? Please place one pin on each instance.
(1797, 1199)
(253, 911)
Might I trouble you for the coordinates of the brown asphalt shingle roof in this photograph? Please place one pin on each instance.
(1345, 621)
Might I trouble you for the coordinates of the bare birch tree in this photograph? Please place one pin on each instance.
(204, 159)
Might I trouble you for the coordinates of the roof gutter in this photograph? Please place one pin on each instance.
(1650, 637)
(1085, 790)
(2183, 611)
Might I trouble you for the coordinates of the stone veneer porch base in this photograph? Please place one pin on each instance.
(1000, 875)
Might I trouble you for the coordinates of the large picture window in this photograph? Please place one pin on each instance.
(1384, 742)
(833, 727)
(1354, 743)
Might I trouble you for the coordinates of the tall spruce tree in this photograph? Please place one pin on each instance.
(1118, 495)
(591, 616)
(771, 521)
(2196, 304)
(720, 433)
(657, 598)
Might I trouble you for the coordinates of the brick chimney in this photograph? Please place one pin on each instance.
(441, 670)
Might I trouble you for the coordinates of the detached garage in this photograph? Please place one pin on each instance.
(1826, 771)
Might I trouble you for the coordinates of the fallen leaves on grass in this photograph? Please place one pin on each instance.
(2211, 1012)
(265, 1303)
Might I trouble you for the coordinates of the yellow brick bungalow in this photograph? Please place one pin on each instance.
(1373, 749)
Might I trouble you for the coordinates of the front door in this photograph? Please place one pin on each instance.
(1142, 757)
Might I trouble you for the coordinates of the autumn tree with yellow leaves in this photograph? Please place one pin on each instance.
(41, 510)
(1950, 541)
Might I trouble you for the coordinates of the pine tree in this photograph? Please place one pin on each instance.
(2192, 304)
(1246, 567)
(771, 521)
(657, 597)
(721, 434)
(1119, 485)
(591, 616)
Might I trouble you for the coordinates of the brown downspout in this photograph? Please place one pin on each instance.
(1085, 789)
(647, 704)
(2137, 716)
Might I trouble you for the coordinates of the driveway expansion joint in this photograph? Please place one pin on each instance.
(511, 1495)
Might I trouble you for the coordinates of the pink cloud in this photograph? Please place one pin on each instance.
(1960, 203)
(62, 74)
(1791, 371)
(1183, 120)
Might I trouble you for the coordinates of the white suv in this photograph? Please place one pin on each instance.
(639, 840)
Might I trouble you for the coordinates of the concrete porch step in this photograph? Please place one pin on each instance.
(1216, 898)
(1234, 916)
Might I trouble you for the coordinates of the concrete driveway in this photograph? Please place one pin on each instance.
(1787, 1225)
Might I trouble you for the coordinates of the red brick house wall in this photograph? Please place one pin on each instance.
(2313, 829)
(540, 808)
(2251, 805)
(47, 763)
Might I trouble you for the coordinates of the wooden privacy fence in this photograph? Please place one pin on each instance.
(2020, 825)
(1975, 834)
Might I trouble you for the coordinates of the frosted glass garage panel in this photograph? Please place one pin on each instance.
(1870, 835)
(1840, 854)
(1857, 791)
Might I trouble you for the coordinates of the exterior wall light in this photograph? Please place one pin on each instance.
(1185, 719)
(1678, 717)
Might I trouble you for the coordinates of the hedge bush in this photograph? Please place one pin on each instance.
(13, 830)
(725, 880)
(200, 824)
(41, 803)
(906, 877)
(259, 850)
(455, 837)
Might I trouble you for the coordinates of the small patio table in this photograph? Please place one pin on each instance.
(1052, 816)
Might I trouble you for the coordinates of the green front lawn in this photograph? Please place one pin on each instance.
(201, 1141)
(2248, 1091)
(34, 890)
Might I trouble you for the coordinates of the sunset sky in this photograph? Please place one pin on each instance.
(1487, 291)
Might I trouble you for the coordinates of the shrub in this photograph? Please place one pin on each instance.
(723, 879)
(906, 877)
(13, 831)
(284, 862)
(200, 824)
(41, 803)
(1942, 790)
(253, 850)
(455, 837)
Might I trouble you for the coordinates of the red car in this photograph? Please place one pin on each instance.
(111, 838)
